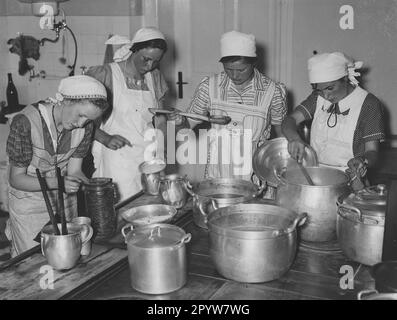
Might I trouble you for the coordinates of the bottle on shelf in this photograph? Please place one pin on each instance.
(12, 94)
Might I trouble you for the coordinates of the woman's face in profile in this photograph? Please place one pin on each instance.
(77, 115)
(147, 59)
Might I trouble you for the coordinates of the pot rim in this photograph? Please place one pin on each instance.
(284, 181)
(232, 181)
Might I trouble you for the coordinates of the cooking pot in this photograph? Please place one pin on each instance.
(157, 257)
(212, 194)
(151, 172)
(361, 224)
(375, 295)
(253, 242)
(385, 275)
(318, 201)
(173, 190)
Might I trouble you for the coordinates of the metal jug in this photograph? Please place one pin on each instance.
(63, 251)
(173, 190)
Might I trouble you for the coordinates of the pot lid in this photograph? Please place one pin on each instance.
(159, 235)
(370, 201)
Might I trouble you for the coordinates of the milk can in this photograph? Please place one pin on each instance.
(361, 224)
(99, 197)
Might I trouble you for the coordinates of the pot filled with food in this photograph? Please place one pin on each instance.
(213, 194)
(251, 242)
(361, 224)
(318, 201)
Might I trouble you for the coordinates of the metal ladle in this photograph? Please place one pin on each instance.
(217, 119)
(305, 173)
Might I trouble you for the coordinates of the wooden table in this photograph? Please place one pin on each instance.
(105, 274)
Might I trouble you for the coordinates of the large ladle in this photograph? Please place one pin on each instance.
(305, 173)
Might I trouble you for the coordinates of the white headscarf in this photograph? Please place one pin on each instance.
(236, 43)
(328, 67)
(79, 87)
(143, 34)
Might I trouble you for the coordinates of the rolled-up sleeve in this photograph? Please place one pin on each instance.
(278, 109)
(19, 143)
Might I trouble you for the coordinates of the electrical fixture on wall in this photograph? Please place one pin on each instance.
(42, 8)
(28, 47)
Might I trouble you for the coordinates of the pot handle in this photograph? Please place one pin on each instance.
(41, 244)
(277, 175)
(201, 210)
(349, 208)
(298, 221)
(365, 292)
(214, 204)
(128, 225)
(260, 190)
(87, 232)
(186, 238)
(188, 187)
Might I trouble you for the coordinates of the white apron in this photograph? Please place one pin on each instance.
(334, 146)
(28, 211)
(231, 147)
(130, 118)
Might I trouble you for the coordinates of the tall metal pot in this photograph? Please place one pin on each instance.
(157, 257)
(212, 194)
(251, 242)
(361, 224)
(318, 201)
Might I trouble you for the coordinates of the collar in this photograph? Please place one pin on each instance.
(353, 99)
(257, 82)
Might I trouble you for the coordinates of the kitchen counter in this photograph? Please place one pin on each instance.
(104, 274)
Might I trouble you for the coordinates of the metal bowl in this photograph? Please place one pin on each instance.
(149, 214)
(273, 157)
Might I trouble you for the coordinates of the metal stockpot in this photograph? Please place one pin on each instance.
(213, 194)
(173, 190)
(157, 258)
(361, 224)
(318, 201)
(151, 172)
(253, 242)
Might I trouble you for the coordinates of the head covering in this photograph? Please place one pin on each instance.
(80, 87)
(328, 67)
(234, 43)
(143, 34)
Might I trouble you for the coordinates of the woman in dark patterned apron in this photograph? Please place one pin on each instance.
(348, 121)
(50, 133)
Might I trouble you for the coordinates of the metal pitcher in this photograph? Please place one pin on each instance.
(151, 172)
(173, 190)
(63, 251)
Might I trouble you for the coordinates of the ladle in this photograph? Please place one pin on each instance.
(306, 174)
(217, 119)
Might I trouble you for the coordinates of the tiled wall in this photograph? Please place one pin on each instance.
(91, 33)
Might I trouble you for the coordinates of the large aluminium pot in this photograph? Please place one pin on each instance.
(157, 257)
(213, 194)
(318, 201)
(361, 224)
(251, 242)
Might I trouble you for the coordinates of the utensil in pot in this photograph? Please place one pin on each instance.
(305, 173)
(61, 204)
(216, 119)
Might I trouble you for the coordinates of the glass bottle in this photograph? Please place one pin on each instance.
(12, 94)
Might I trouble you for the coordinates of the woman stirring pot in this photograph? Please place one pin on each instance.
(348, 122)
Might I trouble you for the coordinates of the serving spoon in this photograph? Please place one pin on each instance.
(223, 120)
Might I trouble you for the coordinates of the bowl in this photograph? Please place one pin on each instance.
(149, 214)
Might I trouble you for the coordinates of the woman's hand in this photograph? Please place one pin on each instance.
(358, 165)
(72, 184)
(175, 116)
(116, 141)
(296, 149)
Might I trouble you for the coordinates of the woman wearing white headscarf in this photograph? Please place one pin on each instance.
(348, 122)
(53, 132)
(134, 85)
(254, 102)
